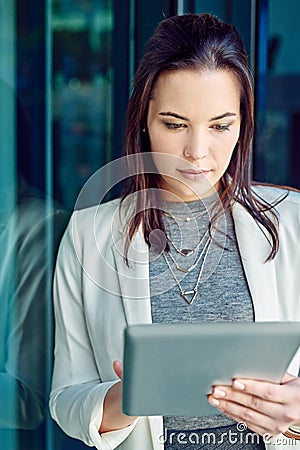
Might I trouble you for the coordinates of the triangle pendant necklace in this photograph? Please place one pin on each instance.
(190, 295)
(193, 293)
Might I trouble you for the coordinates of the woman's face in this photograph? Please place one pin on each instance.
(194, 120)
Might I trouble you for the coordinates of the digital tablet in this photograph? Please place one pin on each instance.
(170, 368)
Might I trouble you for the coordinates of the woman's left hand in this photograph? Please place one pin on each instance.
(266, 408)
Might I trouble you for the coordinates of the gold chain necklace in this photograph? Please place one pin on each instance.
(186, 252)
(182, 269)
(194, 291)
(185, 219)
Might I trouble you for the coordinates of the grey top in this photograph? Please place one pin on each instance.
(216, 274)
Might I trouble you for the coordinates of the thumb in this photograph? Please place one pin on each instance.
(118, 368)
(287, 377)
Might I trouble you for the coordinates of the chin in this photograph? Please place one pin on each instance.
(200, 191)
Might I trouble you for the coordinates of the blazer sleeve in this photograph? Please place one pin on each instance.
(77, 394)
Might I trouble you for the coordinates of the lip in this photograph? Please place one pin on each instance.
(194, 174)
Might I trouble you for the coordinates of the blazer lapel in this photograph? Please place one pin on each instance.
(254, 249)
(134, 279)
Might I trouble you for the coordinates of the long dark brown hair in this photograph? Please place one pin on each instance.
(194, 42)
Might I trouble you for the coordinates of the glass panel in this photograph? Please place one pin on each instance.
(280, 137)
(8, 360)
(82, 75)
(31, 220)
(232, 11)
(218, 7)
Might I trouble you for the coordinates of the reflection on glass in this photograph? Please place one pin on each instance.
(31, 223)
(25, 301)
(82, 91)
(280, 137)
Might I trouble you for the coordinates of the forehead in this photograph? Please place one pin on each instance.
(196, 92)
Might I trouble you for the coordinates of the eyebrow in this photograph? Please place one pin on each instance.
(178, 116)
(222, 116)
(172, 114)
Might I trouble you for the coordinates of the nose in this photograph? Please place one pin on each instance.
(197, 145)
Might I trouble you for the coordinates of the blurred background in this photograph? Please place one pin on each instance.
(66, 68)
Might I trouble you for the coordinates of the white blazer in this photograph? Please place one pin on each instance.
(96, 295)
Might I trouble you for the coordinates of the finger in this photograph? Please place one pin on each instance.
(255, 420)
(287, 377)
(118, 368)
(286, 393)
(226, 395)
(271, 392)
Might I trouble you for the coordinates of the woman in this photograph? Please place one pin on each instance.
(191, 240)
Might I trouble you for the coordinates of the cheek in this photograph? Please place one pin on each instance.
(161, 162)
(227, 155)
(160, 154)
(225, 152)
(154, 138)
(157, 144)
(163, 142)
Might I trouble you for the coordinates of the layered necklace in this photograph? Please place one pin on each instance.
(186, 252)
(190, 294)
(185, 219)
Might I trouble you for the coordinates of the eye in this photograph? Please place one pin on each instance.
(174, 126)
(221, 127)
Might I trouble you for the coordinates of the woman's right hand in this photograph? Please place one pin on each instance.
(118, 368)
(113, 417)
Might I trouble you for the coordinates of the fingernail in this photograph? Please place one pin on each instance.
(238, 385)
(214, 401)
(218, 393)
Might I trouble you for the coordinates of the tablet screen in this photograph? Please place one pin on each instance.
(170, 368)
